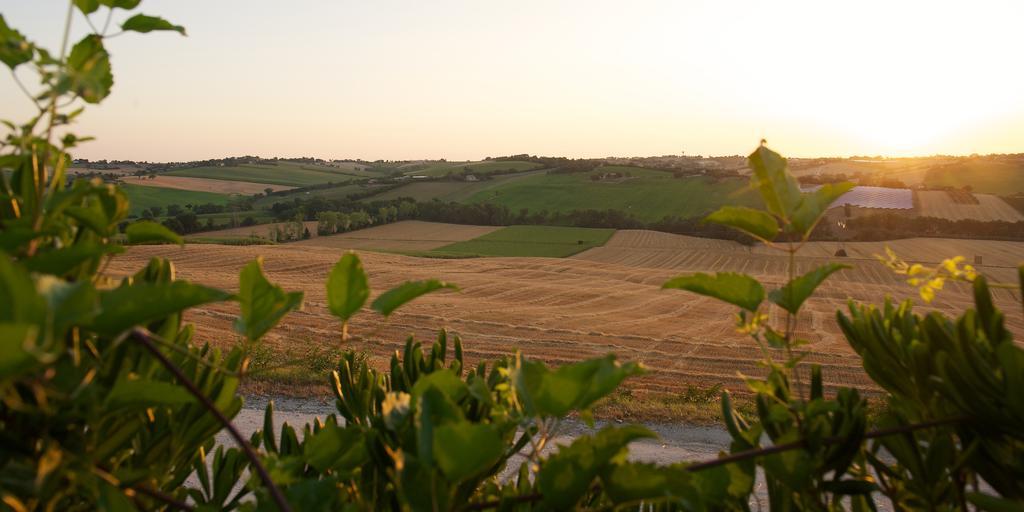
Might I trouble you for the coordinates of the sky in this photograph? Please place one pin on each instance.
(465, 79)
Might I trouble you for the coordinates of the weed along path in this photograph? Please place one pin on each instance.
(675, 442)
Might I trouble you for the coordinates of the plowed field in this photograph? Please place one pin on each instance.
(205, 184)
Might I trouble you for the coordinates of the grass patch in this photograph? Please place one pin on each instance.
(541, 241)
(339, 192)
(294, 369)
(647, 195)
(449, 191)
(984, 176)
(696, 405)
(443, 168)
(142, 197)
(284, 173)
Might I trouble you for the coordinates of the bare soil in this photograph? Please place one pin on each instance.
(204, 184)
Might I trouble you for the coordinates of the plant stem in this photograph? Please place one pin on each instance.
(760, 452)
(791, 322)
(163, 497)
(143, 337)
(39, 165)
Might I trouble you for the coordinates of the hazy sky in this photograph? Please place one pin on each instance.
(471, 78)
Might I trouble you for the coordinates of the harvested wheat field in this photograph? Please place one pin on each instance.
(205, 184)
(938, 203)
(557, 310)
(653, 249)
(406, 235)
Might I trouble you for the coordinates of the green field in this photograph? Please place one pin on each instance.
(143, 197)
(540, 241)
(449, 191)
(487, 167)
(284, 173)
(333, 193)
(648, 195)
(1000, 178)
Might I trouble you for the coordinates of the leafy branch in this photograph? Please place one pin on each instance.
(143, 338)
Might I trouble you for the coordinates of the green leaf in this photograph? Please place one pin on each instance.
(464, 449)
(814, 204)
(91, 217)
(757, 223)
(143, 393)
(12, 238)
(736, 289)
(148, 231)
(572, 387)
(21, 302)
(143, 303)
(121, 4)
(793, 295)
(87, 6)
(143, 23)
(637, 481)
(567, 475)
(779, 190)
(16, 341)
(990, 503)
(445, 381)
(396, 297)
(70, 303)
(113, 499)
(263, 304)
(88, 70)
(61, 261)
(14, 48)
(337, 448)
(347, 287)
(433, 410)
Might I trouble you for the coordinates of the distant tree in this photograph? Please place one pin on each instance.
(173, 210)
(147, 214)
(189, 222)
(407, 210)
(174, 225)
(268, 190)
(157, 210)
(248, 221)
(327, 223)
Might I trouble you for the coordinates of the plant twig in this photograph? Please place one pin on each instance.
(513, 500)
(163, 497)
(760, 452)
(25, 89)
(143, 337)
